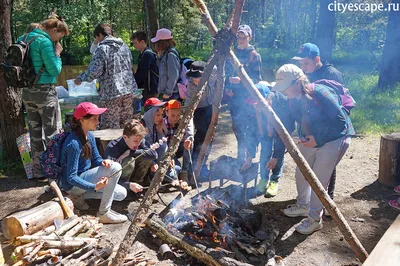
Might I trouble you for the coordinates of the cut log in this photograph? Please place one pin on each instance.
(389, 160)
(194, 249)
(30, 221)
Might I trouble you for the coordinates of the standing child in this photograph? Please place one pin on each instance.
(170, 66)
(203, 113)
(131, 145)
(237, 92)
(79, 153)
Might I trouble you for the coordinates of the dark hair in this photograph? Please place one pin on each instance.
(163, 45)
(139, 35)
(134, 128)
(77, 128)
(103, 29)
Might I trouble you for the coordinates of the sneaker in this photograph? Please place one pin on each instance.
(79, 203)
(272, 189)
(397, 189)
(308, 226)
(295, 210)
(262, 185)
(112, 217)
(395, 204)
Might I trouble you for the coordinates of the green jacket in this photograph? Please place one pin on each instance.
(42, 52)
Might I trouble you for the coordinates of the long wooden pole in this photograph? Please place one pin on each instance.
(304, 167)
(143, 209)
(205, 147)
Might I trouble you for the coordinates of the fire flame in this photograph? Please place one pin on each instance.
(214, 237)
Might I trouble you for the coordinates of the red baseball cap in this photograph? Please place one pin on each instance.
(173, 104)
(153, 102)
(87, 108)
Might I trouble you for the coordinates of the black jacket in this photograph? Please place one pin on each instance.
(327, 71)
(147, 65)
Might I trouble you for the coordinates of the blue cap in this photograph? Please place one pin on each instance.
(307, 50)
(263, 88)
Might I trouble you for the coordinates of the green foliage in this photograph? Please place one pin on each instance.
(375, 112)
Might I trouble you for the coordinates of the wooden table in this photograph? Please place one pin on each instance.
(103, 137)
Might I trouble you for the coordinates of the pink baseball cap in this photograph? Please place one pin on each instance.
(162, 34)
(87, 108)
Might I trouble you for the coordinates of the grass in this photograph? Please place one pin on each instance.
(375, 112)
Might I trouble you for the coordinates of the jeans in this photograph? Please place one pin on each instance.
(112, 191)
(266, 152)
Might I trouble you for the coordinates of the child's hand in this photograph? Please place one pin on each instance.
(229, 93)
(271, 164)
(102, 183)
(135, 187)
(311, 143)
(165, 96)
(107, 163)
(188, 144)
(123, 156)
(234, 80)
(154, 167)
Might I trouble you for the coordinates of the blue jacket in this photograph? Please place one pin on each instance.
(74, 164)
(324, 116)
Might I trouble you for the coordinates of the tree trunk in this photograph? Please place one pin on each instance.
(325, 30)
(389, 160)
(152, 18)
(390, 68)
(11, 115)
(313, 18)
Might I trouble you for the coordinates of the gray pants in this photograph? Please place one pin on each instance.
(322, 160)
(112, 191)
(43, 115)
(120, 111)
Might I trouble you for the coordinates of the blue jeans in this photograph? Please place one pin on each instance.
(266, 152)
(239, 127)
(112, 191)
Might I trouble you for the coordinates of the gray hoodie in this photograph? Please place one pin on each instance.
(112, 66)
(169, 71)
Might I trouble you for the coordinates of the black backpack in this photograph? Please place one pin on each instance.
(18, 68)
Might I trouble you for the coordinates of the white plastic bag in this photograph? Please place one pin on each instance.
(62, 92)
(85, 89)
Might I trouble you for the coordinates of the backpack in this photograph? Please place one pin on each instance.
(50, 158)
(183, 81)
(347, 100)
(18, 68)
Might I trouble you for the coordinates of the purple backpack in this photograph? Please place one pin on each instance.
(347, 100)
(50, 158)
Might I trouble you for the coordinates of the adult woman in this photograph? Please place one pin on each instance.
(78, 178)
(40, 99)
(325, 137)
(169, 68)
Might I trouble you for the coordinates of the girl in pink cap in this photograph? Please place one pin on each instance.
(85, 174)
(169, 68)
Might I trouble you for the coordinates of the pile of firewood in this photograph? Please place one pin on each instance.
(74, 242)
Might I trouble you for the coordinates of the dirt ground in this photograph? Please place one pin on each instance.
(362, 200)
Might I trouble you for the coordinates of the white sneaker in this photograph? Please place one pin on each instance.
(295, 210)
(308, 226)
(112, 217)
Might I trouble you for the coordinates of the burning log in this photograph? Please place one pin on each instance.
(30, 221)
(196, 250)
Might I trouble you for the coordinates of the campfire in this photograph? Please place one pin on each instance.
(218, 222)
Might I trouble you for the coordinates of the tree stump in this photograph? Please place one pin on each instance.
(389, 160)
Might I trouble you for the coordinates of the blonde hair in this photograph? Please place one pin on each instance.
(32, 26)
(55, 21)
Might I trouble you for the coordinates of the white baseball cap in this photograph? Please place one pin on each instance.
(285, 75)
